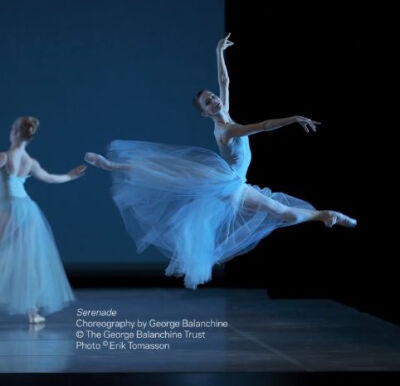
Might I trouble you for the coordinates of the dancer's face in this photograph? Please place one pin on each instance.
(210, 103)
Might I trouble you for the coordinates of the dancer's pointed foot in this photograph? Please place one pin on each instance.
(36, 318)
(331, 218)
(105, 164)
(92, 158)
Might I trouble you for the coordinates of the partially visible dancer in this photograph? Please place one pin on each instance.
(32, 277)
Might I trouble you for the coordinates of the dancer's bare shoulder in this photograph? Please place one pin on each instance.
(29, 164)
(16, 161)
(34, 163)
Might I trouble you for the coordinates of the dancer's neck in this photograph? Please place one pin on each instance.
(221, 118)
(19, 146)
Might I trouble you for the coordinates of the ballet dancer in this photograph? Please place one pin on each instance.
(32, 276)
(195, 205)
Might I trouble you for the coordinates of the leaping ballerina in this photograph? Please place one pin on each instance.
(195, 205)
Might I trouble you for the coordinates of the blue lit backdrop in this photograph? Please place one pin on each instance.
(93, 71)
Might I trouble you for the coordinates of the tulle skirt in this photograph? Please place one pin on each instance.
(191, 204)
(31, 272)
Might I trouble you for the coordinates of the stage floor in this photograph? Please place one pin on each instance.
(262, 335)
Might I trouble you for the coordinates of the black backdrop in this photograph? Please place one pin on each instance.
(307, 60)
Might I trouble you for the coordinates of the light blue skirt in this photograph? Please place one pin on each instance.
(189, 203)
(31, 272)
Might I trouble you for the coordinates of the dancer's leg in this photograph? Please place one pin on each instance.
(103, 163)
(256, 200)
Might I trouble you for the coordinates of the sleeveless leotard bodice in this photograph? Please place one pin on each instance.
(11, 185)
(237, 154)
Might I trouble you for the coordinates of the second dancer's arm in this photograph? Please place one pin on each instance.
(43, 175)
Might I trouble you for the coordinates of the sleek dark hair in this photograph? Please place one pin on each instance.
(196, 102)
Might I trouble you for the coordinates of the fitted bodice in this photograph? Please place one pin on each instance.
(237, 154)
(11, 185)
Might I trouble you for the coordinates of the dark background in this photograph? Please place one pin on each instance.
(307, 59)
(297, 60)
(94, 71)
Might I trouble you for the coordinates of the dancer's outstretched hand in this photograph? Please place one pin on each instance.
(307, 123)
(77, 172)
(224, 43)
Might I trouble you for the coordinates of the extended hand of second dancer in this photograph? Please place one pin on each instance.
(77, 172)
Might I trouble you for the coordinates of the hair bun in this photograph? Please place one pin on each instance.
(27, 126)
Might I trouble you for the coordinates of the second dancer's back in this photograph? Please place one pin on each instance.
(11, 185)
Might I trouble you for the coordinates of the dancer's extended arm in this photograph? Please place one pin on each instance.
(3, 159)
(238, 130)
(43, 175)
(105, 164)
(223, 78)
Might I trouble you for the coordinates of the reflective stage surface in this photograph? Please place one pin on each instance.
(262, 335)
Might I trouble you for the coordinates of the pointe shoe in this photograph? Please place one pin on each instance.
(337, 218)
(36, 318)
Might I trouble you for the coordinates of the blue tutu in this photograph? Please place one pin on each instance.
(190, 203)
(31, 272)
